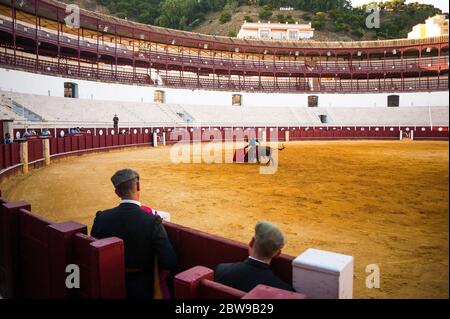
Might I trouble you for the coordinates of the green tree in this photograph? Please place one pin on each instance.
(225, 17)
(265, 13)
(319, 21)
(176, 13)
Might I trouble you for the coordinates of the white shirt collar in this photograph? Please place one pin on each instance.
(257, 259)
(130, 201)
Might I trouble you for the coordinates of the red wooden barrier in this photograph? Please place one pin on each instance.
(109, 139)
(15, 153)
(74, 145)
(186, 283)
(61, 241)
(67, 144)
(198, 283)
(82, 142)
(88, 141)
(102, 141)
(121, 139)
(266, 292)
(7, 150)
(9, 248)
(213, 290)
(95, 141)
(60, 145)
(82, 257)
(2, 155)
(35, 150)
(34, 255)
(53, 146)
(115, 140)
(102, 267)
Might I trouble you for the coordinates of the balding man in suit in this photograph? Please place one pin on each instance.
(143, 235)
(265, 245)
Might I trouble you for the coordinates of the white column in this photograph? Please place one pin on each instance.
(401, 135)
(321, 274)
(286, 135)
(155, 139)
(46, 151)
(164, 138)
(24, 156)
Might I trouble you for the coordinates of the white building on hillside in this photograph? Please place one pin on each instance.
(433, 27)
(276, 31)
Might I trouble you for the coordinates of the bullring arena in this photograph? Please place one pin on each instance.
(360, 187)
(382, 202)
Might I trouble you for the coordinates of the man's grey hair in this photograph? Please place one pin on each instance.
(268, 239)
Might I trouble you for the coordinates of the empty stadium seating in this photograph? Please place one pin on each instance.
(79, 112)
(67, 112)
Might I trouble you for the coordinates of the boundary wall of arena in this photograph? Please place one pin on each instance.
(62, 144)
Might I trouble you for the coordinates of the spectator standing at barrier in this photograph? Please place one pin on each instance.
(265, 245)
(116, 121)
(143, 234)
(7, 139)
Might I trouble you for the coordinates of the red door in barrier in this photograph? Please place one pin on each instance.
(15, 153)
(88, 141)
(81, 142)
(67, 144)
(109, 140)
(337, 133)
(53, 146)
(95, 141)
(74, 143)
(60, 142)
(102, 141)
(2, 156)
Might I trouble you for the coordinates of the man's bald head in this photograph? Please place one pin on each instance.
(268, 240)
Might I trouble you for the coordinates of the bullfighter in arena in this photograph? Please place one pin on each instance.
(252, 149)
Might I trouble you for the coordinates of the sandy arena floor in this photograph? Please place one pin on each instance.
(385, 203)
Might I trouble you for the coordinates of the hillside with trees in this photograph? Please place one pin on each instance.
(332, 19)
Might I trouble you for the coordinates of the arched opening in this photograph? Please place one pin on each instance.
(313, 101)
(70, 90)
(159, 96)
(236, 100)
(393, 101)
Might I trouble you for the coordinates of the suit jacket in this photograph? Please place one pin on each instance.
(144, 238)
(247, 275)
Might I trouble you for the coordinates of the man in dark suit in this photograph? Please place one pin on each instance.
(143, 235)
(116, 121)
(264, 246)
